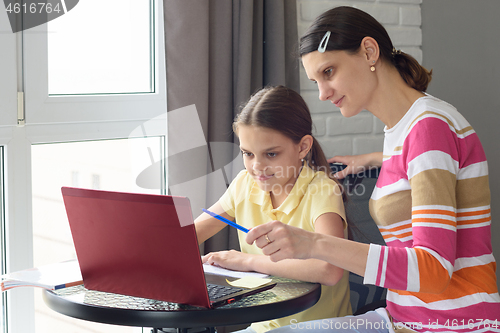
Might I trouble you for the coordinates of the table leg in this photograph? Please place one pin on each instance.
(184, 330)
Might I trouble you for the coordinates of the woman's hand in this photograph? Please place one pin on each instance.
(280, 241)
(356, 163)
(231, 259)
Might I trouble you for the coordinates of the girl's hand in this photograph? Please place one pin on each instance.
(232, 259)
(282, 241)
(356, 163)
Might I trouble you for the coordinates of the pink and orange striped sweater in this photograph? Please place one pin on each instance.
(432, 206)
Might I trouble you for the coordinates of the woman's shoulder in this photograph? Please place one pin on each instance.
(435, 108)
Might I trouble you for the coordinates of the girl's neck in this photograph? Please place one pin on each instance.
(278, 198)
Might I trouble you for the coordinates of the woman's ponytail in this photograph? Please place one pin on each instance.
(411, 71)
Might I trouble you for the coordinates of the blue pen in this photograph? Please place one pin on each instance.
(231, 223)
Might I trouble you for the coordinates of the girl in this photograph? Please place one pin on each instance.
(432, 199)
(284, 180)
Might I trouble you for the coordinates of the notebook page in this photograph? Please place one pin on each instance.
(216, 270)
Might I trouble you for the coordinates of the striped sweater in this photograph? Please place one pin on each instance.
(432, 206)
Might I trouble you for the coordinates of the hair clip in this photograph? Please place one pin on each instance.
(396, 52)
(324, 42)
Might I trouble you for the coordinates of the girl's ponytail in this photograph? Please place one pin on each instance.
(317, 161)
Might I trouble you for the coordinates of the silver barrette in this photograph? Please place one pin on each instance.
(324, 42)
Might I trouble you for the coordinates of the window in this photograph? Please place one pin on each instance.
(69, 120)
(110, 165)
(120, 40)
(62, 84)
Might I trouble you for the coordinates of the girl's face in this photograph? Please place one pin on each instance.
(271, 158)
(344, 79)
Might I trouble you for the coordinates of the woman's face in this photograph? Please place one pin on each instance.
(271, 158)
(344, 79)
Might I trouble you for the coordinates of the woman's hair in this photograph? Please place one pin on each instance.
(348, 26)
(284, 110)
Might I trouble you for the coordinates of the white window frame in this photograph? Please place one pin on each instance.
(47, 120)
(42, 108)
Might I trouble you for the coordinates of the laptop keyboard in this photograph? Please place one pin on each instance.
(216, 291)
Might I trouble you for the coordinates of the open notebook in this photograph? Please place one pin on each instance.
(52, 276)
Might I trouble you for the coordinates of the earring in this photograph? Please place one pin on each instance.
(372, 68)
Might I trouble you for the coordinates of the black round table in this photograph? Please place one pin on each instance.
(286, 298)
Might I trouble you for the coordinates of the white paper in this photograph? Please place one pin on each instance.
(52, 276)
(216, 270)
(249, 282)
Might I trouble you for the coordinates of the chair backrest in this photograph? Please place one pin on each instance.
(359, 189)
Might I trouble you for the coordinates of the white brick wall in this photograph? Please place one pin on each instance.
(363, 133)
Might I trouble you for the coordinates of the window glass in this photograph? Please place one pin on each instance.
(113, 165)
(102, 47)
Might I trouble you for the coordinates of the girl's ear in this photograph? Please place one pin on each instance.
(305, 145)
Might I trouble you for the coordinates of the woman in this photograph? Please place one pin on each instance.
(432, 199)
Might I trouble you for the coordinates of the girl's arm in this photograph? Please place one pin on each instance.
(207, 226)
(312, 270)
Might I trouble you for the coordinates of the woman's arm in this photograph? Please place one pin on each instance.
(357, 163)
(295, 243)
(312, 270)
(428, 265)
(207, 226)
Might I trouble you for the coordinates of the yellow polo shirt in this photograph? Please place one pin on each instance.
(312, 195)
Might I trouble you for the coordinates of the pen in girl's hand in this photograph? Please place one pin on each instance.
(231, 223)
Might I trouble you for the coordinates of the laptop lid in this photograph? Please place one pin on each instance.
(137, 245)
(141, 245)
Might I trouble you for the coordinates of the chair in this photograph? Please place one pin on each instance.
(359, 189)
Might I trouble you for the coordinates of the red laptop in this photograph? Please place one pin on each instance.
(143, 245)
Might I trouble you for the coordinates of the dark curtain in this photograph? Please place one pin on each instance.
(219, 52)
